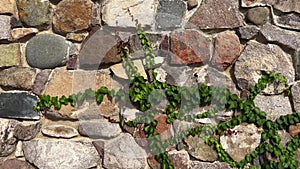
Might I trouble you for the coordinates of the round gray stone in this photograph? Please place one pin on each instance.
(47, 51)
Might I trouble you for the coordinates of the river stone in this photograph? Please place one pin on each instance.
(248, 32)
(291, 21)
(16, 164)
(217, 14)
(7, 140)
(209, 165)
(124, 152)
(17, 77)
(199, 150)
(275, 106)
(59, 131)
(18, 105)
(72, 16)
(281, 36)
(47, 51)
(258, 58)
(99, 129)
(282, 5)
(243, 143)
(170, 14)
(61, 154)
(115, 13)
(10, 55)
(35, 13)
(5, 27)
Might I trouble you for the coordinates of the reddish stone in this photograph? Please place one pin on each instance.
(72, 63)
(163, 128)
(138, 133)
(191, 4)
(179, 159)
(189, 47)
(40, 81)
(99, 145)
(17, 164)
(227, 49)
(153, 163)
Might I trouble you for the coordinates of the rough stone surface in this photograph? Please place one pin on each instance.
(18, 33)
(208, 165)
(5, 27)
(59, 131)
(227, 49)
(77, 37)
(281, 36)
(40, 81)
(35, 12)
(19, 150)
(199, 150)
(288, 21)
(27, 130)
(179, 159)
(18, 105)
(79, 81)
(47, 51)
(7, 140)
(274, 106)
(91, 56)
(170, 14)
(163, 128)
(17, 77)
(258, 15)
(258, 58)
(10, 55)
(115, 13)
(189, 47)
(99, 129)
(244, 142)
(124, 152)
(60, 154)
(72, 15)
(217, 14)
(120, 72)
(248, 32)
(295, 90)
(282, 5)
(15, 163)
(8, 7)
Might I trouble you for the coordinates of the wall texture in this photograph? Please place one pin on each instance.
(61, 47)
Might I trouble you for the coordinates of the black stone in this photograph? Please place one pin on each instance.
(18, 106)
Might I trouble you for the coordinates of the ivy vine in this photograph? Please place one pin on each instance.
(142, 92)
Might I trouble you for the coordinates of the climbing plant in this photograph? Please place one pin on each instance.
(144, 93)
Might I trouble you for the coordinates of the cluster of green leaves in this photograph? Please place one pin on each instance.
(181, 100)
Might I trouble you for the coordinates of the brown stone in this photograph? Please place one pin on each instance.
(40, 81)
(17, 77)
(16, 164)
(163, 128)
(294, 129)
(191, 4)
(19, 33)
(217, 14)
(179, 159)
(153, 163)
(77, 37)
(72, 15)
(139, 134)
(227, 49)
(27, 130)
(189, 47)
(78, 81)
(259, 15)
(8, 7)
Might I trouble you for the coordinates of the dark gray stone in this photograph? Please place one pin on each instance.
(47, 51)
(288, 38)
(291, 21)
(169, 14)
(248, 32)
(27, 130)
(35, 12)
(18, 105)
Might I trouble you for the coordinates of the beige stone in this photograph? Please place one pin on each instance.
(18, 33)
(10, 55)
(8, 7)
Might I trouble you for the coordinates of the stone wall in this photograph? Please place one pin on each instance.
(61, 47)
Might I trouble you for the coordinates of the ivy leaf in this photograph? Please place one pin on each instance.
(99, 98)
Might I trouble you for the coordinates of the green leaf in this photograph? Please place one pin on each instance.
(99, 98)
